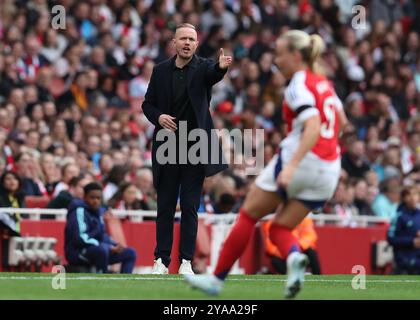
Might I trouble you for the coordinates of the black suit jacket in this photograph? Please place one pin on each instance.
(202, 75)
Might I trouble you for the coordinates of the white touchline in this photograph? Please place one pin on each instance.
(87, 278)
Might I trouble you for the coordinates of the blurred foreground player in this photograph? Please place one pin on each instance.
(302, 176)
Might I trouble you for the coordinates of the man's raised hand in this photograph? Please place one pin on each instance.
(224, 61)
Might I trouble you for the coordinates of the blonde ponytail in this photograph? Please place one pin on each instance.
(317, 47)
(311, 47)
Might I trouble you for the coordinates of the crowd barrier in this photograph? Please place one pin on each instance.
(342, 244)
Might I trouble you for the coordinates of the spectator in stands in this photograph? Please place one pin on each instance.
(17, 99)
(354, 107)
(354, 161)
(404, 234)
(24, 161)
(138, 85)
(93, 147)
(59, 132)
(105, 166)
(14, 144)
(54, 45)
(213, 41)
(361, 199)
(386, 11)
(372, 179)
(248, 15)
(144, 182)
(32, 61)
(86, 242)
(116, 134)
(413, 177)
(386, 202)
(342, 203)
(128, 197)
(218, 14)
(75, 191)
(391, 163)
(12, 194)
(374, 153)
(77, 92)
(68, 172)
(410, 151)
(117, 175)
(263, 44)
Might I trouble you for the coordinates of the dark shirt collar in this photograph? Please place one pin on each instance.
(192, 63)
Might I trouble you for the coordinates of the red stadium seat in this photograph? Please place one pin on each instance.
(36, 201)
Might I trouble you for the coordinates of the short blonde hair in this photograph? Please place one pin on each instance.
(185, 25)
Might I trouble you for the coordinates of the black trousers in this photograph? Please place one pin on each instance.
(185, 181)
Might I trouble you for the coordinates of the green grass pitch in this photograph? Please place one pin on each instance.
(173, 287)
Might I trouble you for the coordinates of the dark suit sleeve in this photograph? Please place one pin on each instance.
(213, 73)
(149, 107)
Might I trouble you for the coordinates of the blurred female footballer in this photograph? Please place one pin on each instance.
(302, 176)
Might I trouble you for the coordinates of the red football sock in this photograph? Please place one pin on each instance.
(235, 244)
(284, 240)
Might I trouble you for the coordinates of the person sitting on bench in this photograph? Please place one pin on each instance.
(86, 242)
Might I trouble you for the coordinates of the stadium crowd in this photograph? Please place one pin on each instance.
(70, 99)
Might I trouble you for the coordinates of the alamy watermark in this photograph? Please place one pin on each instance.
(196, 147)
(58, 20)
(359, 280)
(58, 281)
(359, 20)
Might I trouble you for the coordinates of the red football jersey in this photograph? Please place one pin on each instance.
(306, 95)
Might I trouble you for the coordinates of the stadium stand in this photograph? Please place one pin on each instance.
(71, 97)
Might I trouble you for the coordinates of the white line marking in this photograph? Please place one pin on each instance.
(88, 278)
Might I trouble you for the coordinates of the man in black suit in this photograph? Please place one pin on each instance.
(179, 93)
